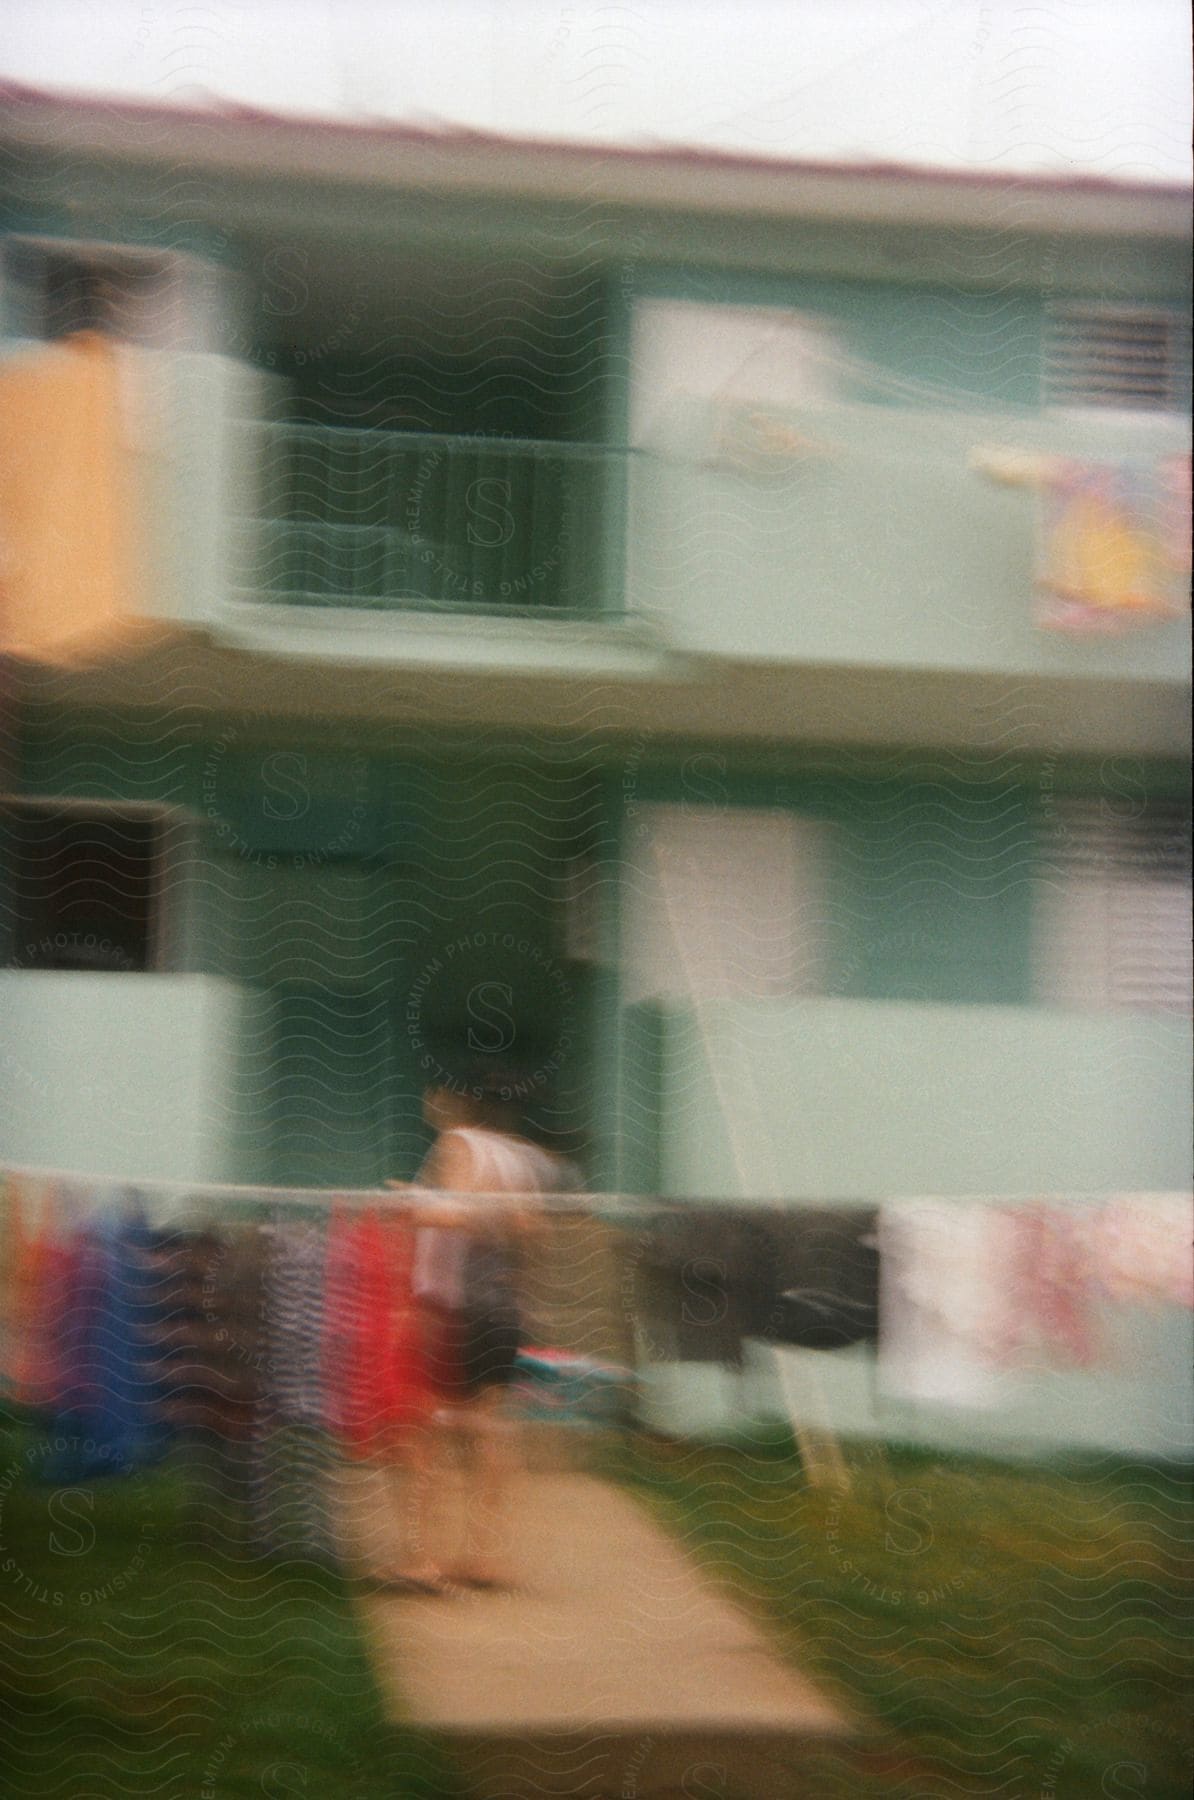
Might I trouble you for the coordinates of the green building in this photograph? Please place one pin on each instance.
(597, 639)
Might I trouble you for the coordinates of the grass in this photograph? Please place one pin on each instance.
(1005, 1632)
(135, 1662)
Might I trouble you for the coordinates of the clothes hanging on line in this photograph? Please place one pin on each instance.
(974, 1294)
(377, 1362)
(946, 1307)
(210, 1347)
(98, 1393)
(30, 1244)
(804, 1277)
(295, 1284)
(1051, 1308)
(272, 1346)
(1142, 1249)
(1108, 538)
(826, 1279)
(72, 549)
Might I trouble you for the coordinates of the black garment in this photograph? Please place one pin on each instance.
(690, 1285)
(489, 1346)
(804, 1277)
(470, 1349)
(491, 1274)
(824, 1277)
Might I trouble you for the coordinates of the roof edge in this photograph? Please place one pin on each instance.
(230, 135)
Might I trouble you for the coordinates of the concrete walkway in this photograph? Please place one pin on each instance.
(614, 1670)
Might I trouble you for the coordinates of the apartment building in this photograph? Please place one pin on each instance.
(712, 634)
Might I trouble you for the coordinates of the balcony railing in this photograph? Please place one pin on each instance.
(351, 517)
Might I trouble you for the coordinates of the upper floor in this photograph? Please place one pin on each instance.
(435, 403)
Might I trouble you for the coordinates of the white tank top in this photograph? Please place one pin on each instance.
(500, 1165)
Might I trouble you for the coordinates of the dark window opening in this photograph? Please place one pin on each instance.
(83, 887)
(54, 289)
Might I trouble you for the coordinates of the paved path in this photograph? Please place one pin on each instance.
(614, 1670)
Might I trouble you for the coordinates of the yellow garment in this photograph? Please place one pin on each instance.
(1093, 554)
(70, 552)
(1103, 532)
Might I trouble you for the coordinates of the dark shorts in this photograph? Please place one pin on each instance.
(472, 1351)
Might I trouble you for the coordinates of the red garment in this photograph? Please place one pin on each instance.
(374, 1353)
(40, 1277)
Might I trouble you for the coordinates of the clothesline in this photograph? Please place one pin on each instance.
(369, 1196)
(257, 1193)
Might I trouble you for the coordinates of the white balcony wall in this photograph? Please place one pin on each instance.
(773, 520)
(126, 1075)
(849, 1099)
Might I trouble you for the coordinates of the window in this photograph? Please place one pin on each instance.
(89, 886)
(53, 287)
(1113, 914)
(1128, 360)
(725, 904)
(756, 368)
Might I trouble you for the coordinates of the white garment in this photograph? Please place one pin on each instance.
(1143, 1248)
(500, 1165)
(943, 1301)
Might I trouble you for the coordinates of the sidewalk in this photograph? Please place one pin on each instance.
(616, 1670)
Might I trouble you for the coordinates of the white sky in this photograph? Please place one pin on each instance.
(1100, 86)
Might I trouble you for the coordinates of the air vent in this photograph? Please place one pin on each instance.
(1115, 907)
(1125, 360)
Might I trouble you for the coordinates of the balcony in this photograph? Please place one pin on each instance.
(861, 536)
(838, 1097)
(385, 521)
(127, 1075)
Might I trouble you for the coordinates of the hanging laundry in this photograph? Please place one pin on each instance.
(72, 553)
(210, 1349)
(945, 1303)
(376, 1358)
(105, 1402)
(1142, 1249)
(291, 1463)
(294, 1302)
(1107, 536)
(14, 1252)
(1051, 1288)
(692, 1285)
(35, 1250)
(826, 1278)
(210, 1361)
(804, 1277)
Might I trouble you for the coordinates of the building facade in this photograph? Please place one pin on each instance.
(712, 635)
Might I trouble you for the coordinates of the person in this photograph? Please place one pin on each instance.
(465, 1282)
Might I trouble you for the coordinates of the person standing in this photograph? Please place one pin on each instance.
(466, 1283)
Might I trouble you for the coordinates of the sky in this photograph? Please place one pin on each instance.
(1079, 86)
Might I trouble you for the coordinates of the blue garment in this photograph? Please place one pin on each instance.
(106, 1410)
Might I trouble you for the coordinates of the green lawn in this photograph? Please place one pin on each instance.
(1008, 1632)
(1015, 1634)
(136, 1662)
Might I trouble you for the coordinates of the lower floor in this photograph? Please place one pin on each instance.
(236, 948)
